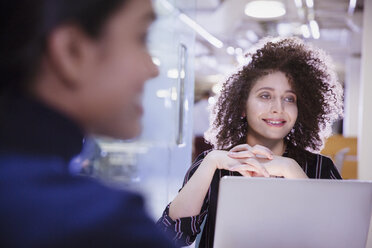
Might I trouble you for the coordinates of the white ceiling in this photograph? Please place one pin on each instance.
(340, 31)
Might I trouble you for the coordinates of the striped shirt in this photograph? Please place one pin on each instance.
(183, 231)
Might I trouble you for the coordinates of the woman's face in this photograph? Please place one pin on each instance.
(119, 66)
(271, 108)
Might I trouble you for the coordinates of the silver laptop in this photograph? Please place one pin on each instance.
(292, 213)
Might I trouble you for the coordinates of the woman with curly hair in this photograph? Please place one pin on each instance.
(270, 120)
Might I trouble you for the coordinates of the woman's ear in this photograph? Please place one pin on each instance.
(68, 51)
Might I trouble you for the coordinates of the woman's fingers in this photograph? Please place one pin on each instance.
(243, 170)
(263, 151)
(241, 154)
(259, 168)
(246, 151)
(241, 147)
(245, 173)
(243, 162)
(241, 151)
(251, 166)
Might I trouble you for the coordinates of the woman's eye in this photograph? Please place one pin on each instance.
(290, 99)
(265, 96)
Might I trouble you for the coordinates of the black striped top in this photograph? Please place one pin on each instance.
(183, 231)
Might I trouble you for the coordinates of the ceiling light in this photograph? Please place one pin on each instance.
(230, 50)
(352, 5)
(310, 3)
(298, 3)
(201, 31)
(173, 73)
(314, 28)
(238, 51)
(192, 24)
(305, 31)
(265, 9)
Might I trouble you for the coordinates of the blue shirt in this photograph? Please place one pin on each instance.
(42, 204)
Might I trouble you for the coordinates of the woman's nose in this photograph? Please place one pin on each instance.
(276, 106)
(151, 68)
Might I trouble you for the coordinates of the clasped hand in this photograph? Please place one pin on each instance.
(256, 161)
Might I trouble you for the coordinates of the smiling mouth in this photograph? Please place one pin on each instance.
(275, 123)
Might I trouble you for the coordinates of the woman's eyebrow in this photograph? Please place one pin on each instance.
(272, 89)
(291, 91)
(265, 88)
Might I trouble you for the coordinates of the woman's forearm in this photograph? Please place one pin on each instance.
(189, 200)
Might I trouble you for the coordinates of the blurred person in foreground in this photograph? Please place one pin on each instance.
(69, 69)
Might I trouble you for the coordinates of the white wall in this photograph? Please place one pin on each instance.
(352, 96)
(365, 110)
(365, 113)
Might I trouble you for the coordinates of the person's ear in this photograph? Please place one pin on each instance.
(68, 51)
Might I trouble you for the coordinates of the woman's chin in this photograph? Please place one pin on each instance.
(123, 132)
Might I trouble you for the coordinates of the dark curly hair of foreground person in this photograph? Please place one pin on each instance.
(310, 73)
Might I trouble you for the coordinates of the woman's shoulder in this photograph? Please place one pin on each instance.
(202, 155)
(310, 157)
(320, 166)
(314, 157)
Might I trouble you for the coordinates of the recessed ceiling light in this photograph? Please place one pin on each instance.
(305, 31)
(314, 28)
(230, 50)
(264, 9)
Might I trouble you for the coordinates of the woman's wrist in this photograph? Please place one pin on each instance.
(294, 170)
(210, 161)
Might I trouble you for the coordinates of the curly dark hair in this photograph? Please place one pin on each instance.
(309, 71)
